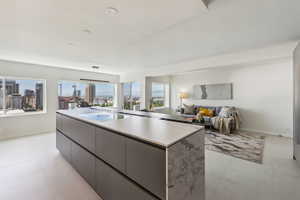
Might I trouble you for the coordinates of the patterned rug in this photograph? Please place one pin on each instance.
(246, 146)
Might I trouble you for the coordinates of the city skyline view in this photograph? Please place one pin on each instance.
(132, 94)
(83, 94)
(102, 89)
(21, 95)
(24, 84)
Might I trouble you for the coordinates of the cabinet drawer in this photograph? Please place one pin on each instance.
(84, 163)
(63, 144)
(111, 148)
(147, 166)
(59, 122)
(110, 185)
(80, 132)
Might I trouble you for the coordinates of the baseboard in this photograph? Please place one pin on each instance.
(266, 132)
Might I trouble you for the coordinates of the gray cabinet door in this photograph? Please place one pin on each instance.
(110, 185)
(111, 148)
(59, 122)
(147, 166)
(63, 144)
(64, 125)
(84, 163)
(80, 132)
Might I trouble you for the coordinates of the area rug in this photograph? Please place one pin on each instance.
(246, 146)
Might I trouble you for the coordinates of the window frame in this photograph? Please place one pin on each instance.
(5, 114)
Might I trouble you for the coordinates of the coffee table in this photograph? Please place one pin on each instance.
(207, 125)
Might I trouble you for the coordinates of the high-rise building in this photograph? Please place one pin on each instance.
(60, 89)
(29, 93)
(11, 87)
(29, 101)
(14, 102)
(90, 93)
(74, 90)
(39, 96)
(63, 102)
(78, 93)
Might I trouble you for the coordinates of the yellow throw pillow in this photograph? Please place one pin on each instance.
(210, 113)
(206, 112)
(203, 113)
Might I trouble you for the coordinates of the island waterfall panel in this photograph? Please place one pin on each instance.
(186, 178)
(119, 166)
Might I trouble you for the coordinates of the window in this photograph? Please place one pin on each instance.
(132, 95)
(159, 95)
(21, 96)
(1, 97)
(127, 96)
(105, 93)
(83, 94)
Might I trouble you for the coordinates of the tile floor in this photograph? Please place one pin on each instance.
(31, 168)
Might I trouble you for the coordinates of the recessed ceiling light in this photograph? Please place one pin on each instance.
(87, 31)
(111, 11)
(95, 67)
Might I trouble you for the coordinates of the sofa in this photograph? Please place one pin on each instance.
(196, 110)
(192, 113)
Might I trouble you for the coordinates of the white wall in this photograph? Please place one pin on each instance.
(34, 124)
(263, 93)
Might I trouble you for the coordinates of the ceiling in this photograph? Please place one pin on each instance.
(143, 35)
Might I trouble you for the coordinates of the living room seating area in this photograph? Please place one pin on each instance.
(224, 119)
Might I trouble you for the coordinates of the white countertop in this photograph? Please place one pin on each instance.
(151, 130)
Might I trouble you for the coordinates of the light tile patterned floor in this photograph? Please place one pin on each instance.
(31, 168)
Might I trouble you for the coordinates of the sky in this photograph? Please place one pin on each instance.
(136, 89)
(158, 90)
(26, 84)
(102, 89)
(107, 89)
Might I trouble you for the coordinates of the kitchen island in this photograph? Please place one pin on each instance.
(127, 157)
